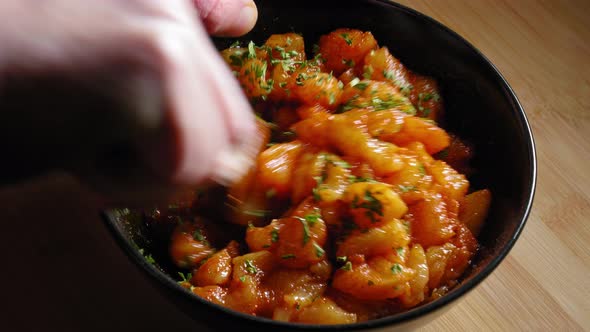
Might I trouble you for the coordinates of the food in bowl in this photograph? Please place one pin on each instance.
(358, 206)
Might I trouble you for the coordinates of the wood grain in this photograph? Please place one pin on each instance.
(63, 272)
(541, 48)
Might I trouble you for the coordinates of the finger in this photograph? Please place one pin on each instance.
(211, 121)
(227, 17)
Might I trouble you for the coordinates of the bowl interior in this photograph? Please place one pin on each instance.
(479, 104)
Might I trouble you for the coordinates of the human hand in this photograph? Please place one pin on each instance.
(131, 95)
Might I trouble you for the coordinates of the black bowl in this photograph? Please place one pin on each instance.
(480, 106)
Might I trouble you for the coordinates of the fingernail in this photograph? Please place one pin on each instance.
(247, 18)
(234, 162)
(230, 165)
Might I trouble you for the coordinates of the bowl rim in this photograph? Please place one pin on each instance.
(463, 288)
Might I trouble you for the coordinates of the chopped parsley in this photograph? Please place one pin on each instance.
(305, 229)
(348, 62)
(405, 189)
(251, 50)
(250, 267)
(368, 72)
(235, 44)
(381, 105)
(355, 179)
(341, 259)
(274, 236)
(316, 190)
(319, 251)
(400, 251)
(148, 257)
(332, 98)
(388, 75)
(421, 169)
(257, 213)
(198, 235)
(347, 266)
(288, 256)
(396, 268)
(361, 86)
(185, 277)
(346, 38)
(370, 203)
(312, 218)
(427, 96)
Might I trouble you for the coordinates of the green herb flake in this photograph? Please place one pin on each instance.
(243, 278)
(250, 267)
(427, 96)
(274, 235)
(319, 251)
(406, 89)
(305, 229)
(150, 259)
(406, 225)
(348, 62)
(341, 259)
(251, 50)
(332, 98)
(388, 75)
(288, 256)
(368, 72)
(400, 251)
(347, 266)
(405, 189)
(185, 277)
(235, 44)
(198, 235)
(370, 203)
(421, 169)
(346, 38)
(257, 213)
(361, 86)
(354, 81)
(289, 133)
(312, 218)
(396, 268)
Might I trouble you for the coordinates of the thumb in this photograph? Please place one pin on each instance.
(228, 18)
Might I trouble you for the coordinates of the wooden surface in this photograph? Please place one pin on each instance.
(62, 272)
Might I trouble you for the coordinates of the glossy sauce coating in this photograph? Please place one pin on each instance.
(357, 207)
